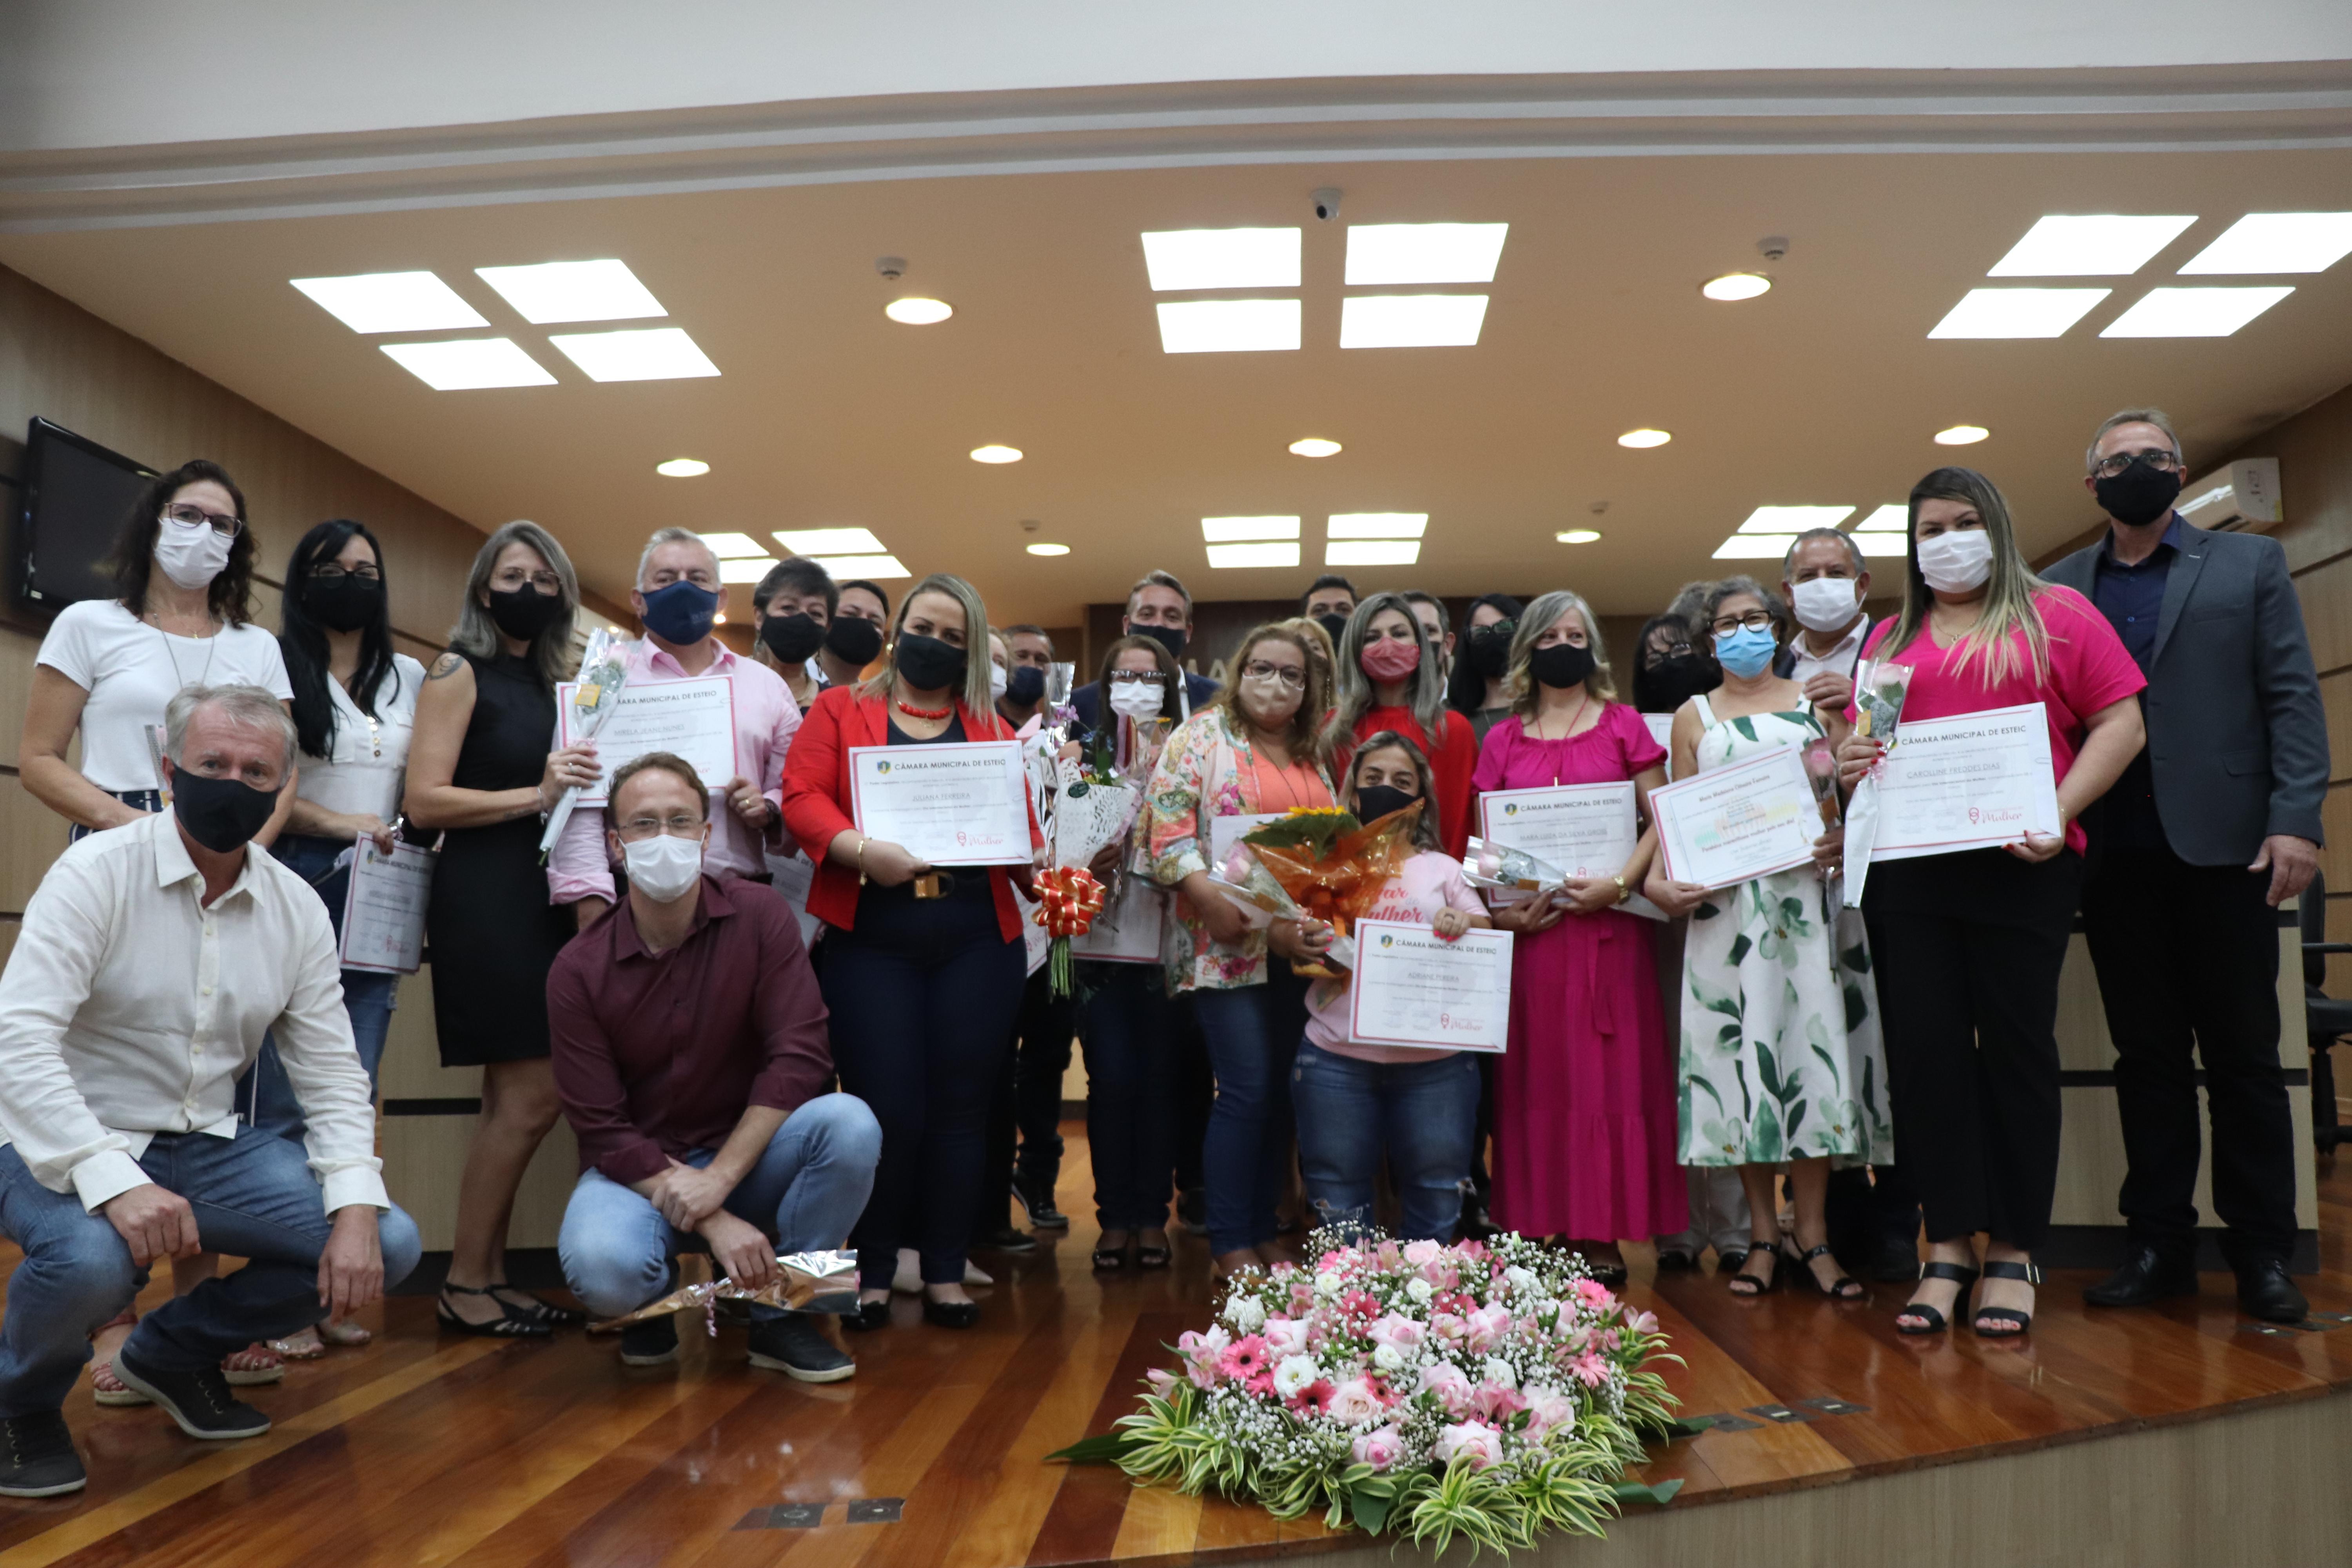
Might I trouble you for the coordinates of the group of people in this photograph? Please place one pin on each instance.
(772, 1033)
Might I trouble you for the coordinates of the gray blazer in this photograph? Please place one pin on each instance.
(2235, 734)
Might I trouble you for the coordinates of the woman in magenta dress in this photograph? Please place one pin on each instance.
(1585, 1125)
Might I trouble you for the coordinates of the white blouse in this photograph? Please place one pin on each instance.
(368, 758)
(131, 670)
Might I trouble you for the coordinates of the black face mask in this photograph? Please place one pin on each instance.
(222, 815)
(1335, 625)
(1489, 653)
(926, 664)
(523, 613)
(1025, 685)
(2138, 495)
(791, 638)
(853, 641)
(1666, 685)
(1376, 801)
(1560, 666)
(1172, 638)
(345, 602)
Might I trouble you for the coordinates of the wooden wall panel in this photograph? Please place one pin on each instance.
(2314, 454)
(31, 836)
(2335, 822)
(423, 1156)
(2327, 594)
(2336, 701)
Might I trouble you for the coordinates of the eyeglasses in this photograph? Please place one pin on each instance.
(1290, 675)
(1670, 651)
(1497, 629)
(1137, 678)
(332, 573)
(198, 517)
(508, 581)
(684, 823)
(2163, 462)
(1754, 621)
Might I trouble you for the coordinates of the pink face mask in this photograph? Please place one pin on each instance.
(1389, 659)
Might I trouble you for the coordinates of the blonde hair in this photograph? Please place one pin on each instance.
(1353, 688)
(2009, 592)
(477, 634)
(975, 694)
(1518, 685)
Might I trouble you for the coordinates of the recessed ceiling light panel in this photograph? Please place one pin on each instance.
(392, 302)
(1755, 547)
(873, 568)
(1736, 285)
(1049, 549)
(682, 468)
(914, 312)
(1645, 438)
(1578, 535)
(1284, 554)
(1794, 519)
(1412, 320)
(1377, 524)
(1228, 326)
(2193, 313)
(829, 542)
(2277, 242)
(1315, 447)
(2093, 247)
(1223, 259)
(1961, 434)
(469, 364)
(1229, 530)
(640, 354)
(573, 292)
(1371, 552)
(2017, 313)
(1880, 545)
(743, 568)
(995, 452)
(734, 546)
(1886, 518)
(1387, 253)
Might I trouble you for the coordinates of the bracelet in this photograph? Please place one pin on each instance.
(862, 842)
(1624, 892)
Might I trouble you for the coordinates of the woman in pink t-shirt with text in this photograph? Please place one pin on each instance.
(1969, 944)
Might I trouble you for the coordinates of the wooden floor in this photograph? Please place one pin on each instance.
(423, 1449)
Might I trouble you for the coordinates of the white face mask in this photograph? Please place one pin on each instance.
(1137, 700)
(191, 554)
(665, 866)
(1824, 604)
(996, 678)
(1957, 561)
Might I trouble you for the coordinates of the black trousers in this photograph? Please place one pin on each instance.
(1027, 1099)
(2187, 958)
(1969, 980)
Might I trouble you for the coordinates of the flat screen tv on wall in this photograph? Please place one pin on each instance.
(74, 497)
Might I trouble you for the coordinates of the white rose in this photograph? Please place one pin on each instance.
(1244, 1313)
(1521, 1280)
(1329, 1284)
(1388, 1358)
(1498, 1371)
(1420, 1290)
(1295, 1373)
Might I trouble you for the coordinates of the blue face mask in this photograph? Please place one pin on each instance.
(680, 613)
(1746, 652)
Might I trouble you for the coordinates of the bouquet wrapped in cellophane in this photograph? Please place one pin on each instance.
(805, 1282)
(1879, 688)
(604, 668)
(1331, 866)
(1487, 864)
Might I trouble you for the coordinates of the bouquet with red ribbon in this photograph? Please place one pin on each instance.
(1068, 899)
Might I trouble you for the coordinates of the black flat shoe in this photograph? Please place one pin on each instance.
(1674, 1260)
(2147, 1276)
(869, 1316)
(1608, 1271)
(2266, 1293)
(951, 1314)
(1933, 1321)
(510, 1324)
(2007, 1322)
(1836, 1289)
(1749, 1286)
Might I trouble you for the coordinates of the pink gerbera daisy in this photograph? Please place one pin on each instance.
(1244, 1358)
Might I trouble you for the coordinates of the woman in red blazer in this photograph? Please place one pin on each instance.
(924, 965)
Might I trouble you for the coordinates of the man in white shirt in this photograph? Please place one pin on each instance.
(152, 959)
(676, 600)
(1826, 579)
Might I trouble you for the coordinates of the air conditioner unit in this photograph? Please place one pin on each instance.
(2242, 498)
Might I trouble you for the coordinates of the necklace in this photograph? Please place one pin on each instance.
(911, 711)
(1581, 699)
(212, 647)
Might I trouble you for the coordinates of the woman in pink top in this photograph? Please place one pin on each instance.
(1585, 1123)
(1357, 1102)
(1970, 945)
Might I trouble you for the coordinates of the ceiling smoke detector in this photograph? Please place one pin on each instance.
(891, 266)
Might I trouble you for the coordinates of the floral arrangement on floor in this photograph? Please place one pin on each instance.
(1490, 1391)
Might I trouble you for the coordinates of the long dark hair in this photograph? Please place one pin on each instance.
(1466, 688)
(229, 596)
(304, 641)
(1170, 695)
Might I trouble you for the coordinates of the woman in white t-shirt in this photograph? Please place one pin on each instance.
(183, 567)
(1356, 1103)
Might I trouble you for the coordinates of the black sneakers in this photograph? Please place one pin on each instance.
(199, 1401)
(1036, 1200)
(649, 1341)
(791, 1344)
(39, 1459)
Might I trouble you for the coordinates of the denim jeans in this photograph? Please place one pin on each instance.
(254, 1197)
(805, 1191)
(1423, 1114)
(1252, 1033)
(265, 1095)
(1128, 1031)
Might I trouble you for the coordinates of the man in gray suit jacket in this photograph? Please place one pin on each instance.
(2212, 826)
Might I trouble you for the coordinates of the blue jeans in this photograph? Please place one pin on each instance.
(806, 1191)
(265, 1095)
(254, 1197)
(1252, 1033)
(1128, 1030)
(1423, 1114)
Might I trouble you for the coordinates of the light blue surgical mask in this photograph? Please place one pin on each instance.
(1746, 652)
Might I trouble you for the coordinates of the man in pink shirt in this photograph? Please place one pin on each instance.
(676, 600)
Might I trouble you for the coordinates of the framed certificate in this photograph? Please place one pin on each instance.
(1586, 830)
(1734, 823)
(1662, 728)
(691, 718)
(963, 803)
(1968, 782)
(1413, 987)
(384, 911)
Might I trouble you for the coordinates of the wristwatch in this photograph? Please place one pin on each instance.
(1623, 892)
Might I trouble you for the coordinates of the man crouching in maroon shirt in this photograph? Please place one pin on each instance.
(690, 1050)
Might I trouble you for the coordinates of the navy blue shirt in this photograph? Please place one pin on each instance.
(2132, 598)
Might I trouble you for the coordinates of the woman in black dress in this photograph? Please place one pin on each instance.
(480, 771)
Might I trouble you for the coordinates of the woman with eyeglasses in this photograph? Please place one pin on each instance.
(1780, 1057)
(1974, 941)
(183, 616)
(1670, 666)
(1584, 1097)
(354, 710)
(1253, 753)
(1474, 689)
(1391, 679)
(482, 774)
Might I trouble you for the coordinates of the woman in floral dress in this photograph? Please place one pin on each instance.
(1781, 1057)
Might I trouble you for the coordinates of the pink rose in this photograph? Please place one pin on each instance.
(1448, 1327)
(1487, 1326)
(1420, 1254)
(1480, 1445)
(1285, 1337)
(1382, 1449)
(1401, 1332)
(1590, 1369)
(1450, 1386)
(1547, 1408)
(1353, 1404)
(1441, 1272)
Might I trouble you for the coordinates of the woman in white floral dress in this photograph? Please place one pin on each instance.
(1781, 1057)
